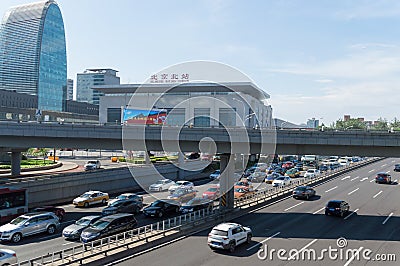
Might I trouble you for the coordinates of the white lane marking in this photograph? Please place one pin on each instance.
(387, 172)
(357, 177)
(371, 171)
(354, 255)
(372, 181)
(387, 218)
(347, 177)
(395, 181)
(301, 250)
(348, 216)
(393, 161)
(377, 194)
(66, 244)
(383, 165)
(294, 206)
(353, 191)
(319, 210)
(365, 178)
(262, 242)
(331, 189)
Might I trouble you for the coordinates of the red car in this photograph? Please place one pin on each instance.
(212, 193)
(59, 212)
(287, 165)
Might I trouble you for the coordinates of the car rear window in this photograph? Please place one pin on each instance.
(219, 232)
(300, 188)
(333, 204)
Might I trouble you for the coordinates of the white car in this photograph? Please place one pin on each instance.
(7, 257)
(92, 165)
(181, 184)
(281, 181)
(228, 236)
(311, 173)
(160, 185)
(215, 175)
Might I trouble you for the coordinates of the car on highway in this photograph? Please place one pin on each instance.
(7, 257)
(293, 172)
(257, 177)
(29, 224)
(212, 193)
(383, 178)
(183, 195)
(311, 173)
(396, 168)
(91, 198)
(299, 166)
(74, 230)
(216, 174)
(244, 182)
(180, 184)
(161, 207)
(242, 192)
(126, 196)
(303, 192)
(288, 165)
(323, 168)
(281, 181)
(58, 211)
(261, 166)
(92, 165)
(229, 236)
(125, 206)
(109, 225)
(161, 185)
(270, 178)
(196, 204)
(337, 208)
(280, 170)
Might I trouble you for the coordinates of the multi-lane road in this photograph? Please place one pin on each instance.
(300, 228)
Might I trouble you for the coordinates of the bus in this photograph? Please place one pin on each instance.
(13, 203)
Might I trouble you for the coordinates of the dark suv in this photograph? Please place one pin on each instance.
(160, 207)
(397, 168)
(303, 192)
(383, 178)
(109, 225)
(127, 206)
(337, 207)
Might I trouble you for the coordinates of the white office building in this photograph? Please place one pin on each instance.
(199, 104)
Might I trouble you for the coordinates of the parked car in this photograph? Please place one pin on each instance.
(108, 225)
(281, 181)
(242, 191)
(161, 207)
(29, 224)
(216, 174)
(228, 236)
(182, 195)
(383, 178)
(8, 257)
(180, 184)
(74, 230)
(91, 198)
(196, 204)
(270, 178)
(337, 208)
(125, 196)
(306, 192)
(58, 211)
(125, 206)
(212, 193)
(396, 168)
(92, 165)
(293, 172)
(311, 173)
(161, 185)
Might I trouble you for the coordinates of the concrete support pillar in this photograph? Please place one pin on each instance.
(15, 163)
(147, 157)
(227, 181)
(181, 162)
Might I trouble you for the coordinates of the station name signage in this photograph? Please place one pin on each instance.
(169, 78)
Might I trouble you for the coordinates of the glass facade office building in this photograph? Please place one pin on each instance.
(33, 56)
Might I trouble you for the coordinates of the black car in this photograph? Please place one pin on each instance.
(323, 168)
(337, 207)
(196, 204)
(383, 178)
(303, 192)
(126, 206)
(109, 225)
(161, 207)
(397, 168)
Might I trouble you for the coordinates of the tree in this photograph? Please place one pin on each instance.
(395, 124)
(381, 124)
(41, 152)
(352, 123)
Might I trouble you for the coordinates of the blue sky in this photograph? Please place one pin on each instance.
(316, 58)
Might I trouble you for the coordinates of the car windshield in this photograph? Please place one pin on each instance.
(219, 232)
(122, 197)
(83, 222)
(382, 175)
(19, 220)
(280, 178)
(240, 183)
(91, 162)
(240, 190)
(334, 204)
(157, 204)
(300, 188)
(100, 224)
(160, 182)
(194, 201)
(116, 203)
(217, 172)
(86, 195)
(310, 171)
(212, 189)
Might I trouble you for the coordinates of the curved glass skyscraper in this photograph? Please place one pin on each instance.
(33, 55)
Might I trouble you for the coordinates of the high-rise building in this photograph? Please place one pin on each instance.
(33, 56)
(312, 123)
(94, 77)
(70, 89)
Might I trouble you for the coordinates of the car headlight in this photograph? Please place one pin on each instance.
(7, 232)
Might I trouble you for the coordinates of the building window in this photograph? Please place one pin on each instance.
(176, 117)
(114, 115)
(202, 117)
(227, 117)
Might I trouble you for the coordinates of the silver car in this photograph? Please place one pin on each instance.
(7, 257)
(74, 231)
(29, 224)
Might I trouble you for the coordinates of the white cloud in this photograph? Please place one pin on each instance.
(323, 80)
(368, 9)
